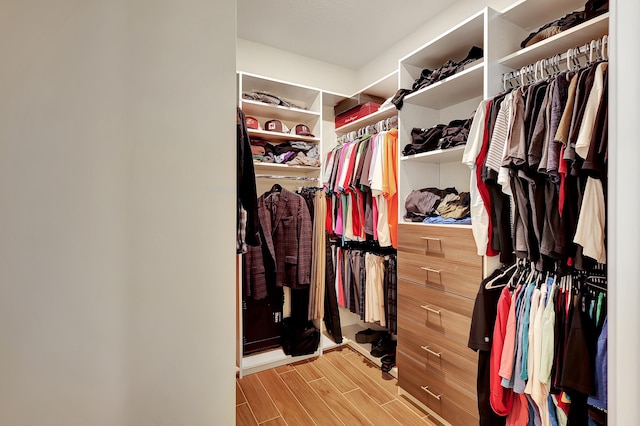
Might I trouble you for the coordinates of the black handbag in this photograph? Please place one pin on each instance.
(299, 338)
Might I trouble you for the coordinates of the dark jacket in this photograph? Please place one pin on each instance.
(287, 232)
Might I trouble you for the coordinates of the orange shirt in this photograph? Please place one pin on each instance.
(390, 183)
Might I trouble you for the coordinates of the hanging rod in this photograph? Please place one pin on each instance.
(380, 126)
(287, 177)
(596, 50)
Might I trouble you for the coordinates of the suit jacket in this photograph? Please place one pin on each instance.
(285, 256)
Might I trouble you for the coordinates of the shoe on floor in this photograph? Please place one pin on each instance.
(388, 362)
(369, 335)
(384, 346)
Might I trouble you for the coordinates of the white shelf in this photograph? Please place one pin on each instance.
(281, 137)
(304, 96)
(381, 114)
(459, 87)
(328, 344)
(292, 115)
(437, 156)
(559, 43)
(385, 87)
(444, 225)
(271, 167)
(270, 359)
(453, 44)
(531, 15)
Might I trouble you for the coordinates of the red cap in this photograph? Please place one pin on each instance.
(302, 130)
(252, 123)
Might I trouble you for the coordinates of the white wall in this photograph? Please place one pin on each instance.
(624, 228)
(116, 215)
(280, 64)
(387, 61)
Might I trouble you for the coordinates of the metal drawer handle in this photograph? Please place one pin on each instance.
(434, 271)
(426, 389)
(438, 240)
(426, 348)
(430, 309)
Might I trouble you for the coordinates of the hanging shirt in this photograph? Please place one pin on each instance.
(590, 232)
(390, 184)
(587, 126)
(479, 213)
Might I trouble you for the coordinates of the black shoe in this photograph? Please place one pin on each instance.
(388, 362)
(384, 346)
(369, 335)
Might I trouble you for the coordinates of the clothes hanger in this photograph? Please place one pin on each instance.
(510, 269)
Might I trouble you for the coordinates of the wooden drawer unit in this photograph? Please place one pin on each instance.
(450, 358)
(436, 240)
(433, 296)
(455, 274)
(431, 314)
(455, 404)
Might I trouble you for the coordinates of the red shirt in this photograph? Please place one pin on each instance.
(501, 398)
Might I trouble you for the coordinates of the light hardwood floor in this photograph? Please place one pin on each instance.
(340, 387)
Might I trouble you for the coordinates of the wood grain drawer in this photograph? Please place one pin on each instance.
(429, 295)
(455, 274)
(430, 314)
(436, 240)
(451, 358)
(456, 405)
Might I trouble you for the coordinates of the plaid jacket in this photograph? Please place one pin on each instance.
(286, 232)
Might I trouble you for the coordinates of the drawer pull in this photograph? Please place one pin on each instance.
(438, 240)
(435, 271)
(430, 309)
(426, 348)
(426, 389)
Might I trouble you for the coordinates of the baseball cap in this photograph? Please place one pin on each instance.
(276, 126)
(252, 123)
(302, 130)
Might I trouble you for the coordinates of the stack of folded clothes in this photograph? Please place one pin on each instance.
(592, 8)
(440, 136)
(428, 77)
(291, 153)
(270, 98)
(433, 205)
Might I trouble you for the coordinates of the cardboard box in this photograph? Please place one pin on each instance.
(356, 113)
(351, 103)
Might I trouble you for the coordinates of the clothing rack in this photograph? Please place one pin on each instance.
(380, 126)
(596, 50)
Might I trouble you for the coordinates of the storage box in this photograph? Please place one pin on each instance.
(356, 113)
(359, 99)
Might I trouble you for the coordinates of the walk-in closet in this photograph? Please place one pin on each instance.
(319, 212)
(461, 241)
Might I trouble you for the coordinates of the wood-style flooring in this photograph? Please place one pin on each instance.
(341, 387)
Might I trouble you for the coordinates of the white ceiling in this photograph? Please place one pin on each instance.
(348, 33)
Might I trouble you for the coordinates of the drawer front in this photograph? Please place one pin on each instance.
(456, 405)
(429, 314)
(455, 274)
(437, 240)
(452, 359)
(429, 295)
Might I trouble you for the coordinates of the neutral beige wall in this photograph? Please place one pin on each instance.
(116, 212)
(280, 64)
(457, 11)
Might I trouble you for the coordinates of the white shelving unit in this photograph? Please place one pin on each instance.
(289, 176)
(457, 97)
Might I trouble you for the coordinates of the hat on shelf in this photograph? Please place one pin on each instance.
(276, 126)
(252, 123)
(302, 130)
